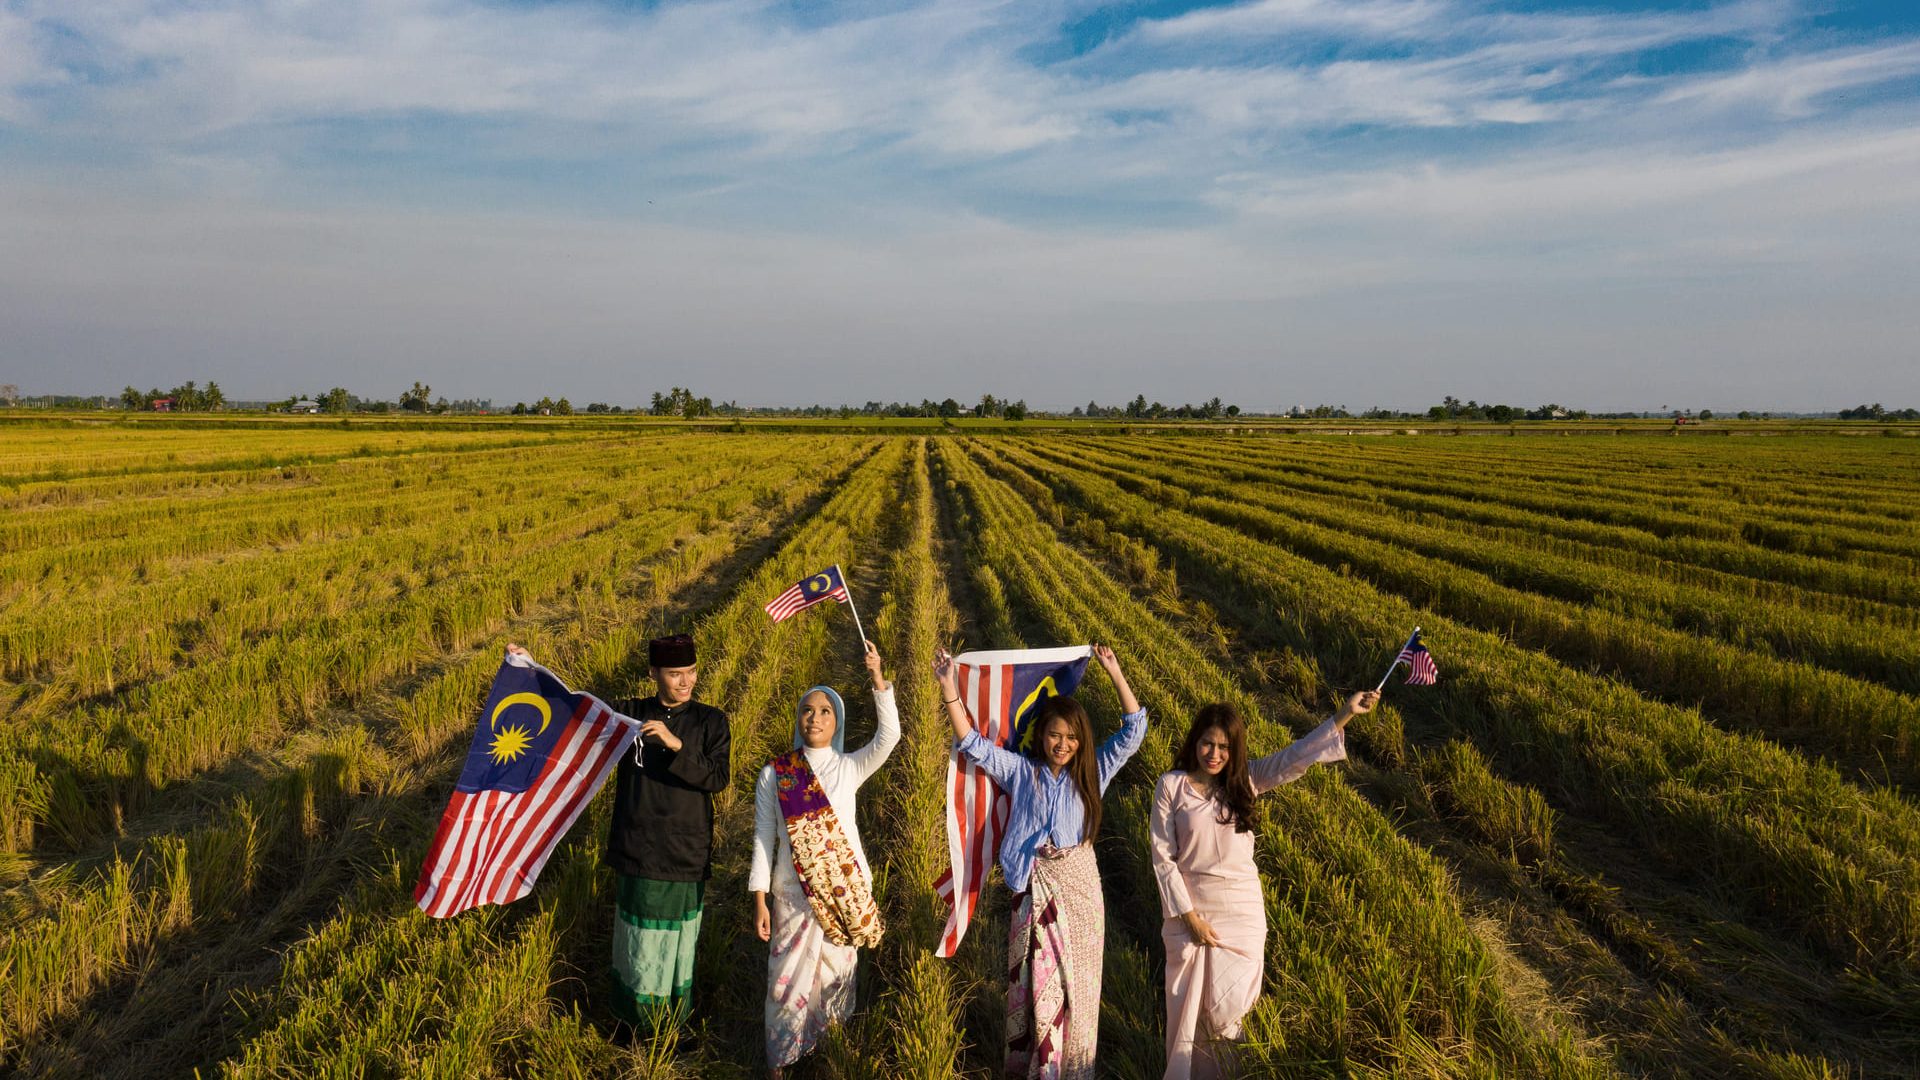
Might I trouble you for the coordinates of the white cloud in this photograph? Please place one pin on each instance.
(1603, 185)
(1552, 37)
(1375, 18)
(1807, 224)
(712, 69)
(1457, 25)
(945, 79)
(1509, 194)
(1791, 87)
(1588, 276)
(21, 67)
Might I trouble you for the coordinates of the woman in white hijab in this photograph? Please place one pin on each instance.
(807, 854)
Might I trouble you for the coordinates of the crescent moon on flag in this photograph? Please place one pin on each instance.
(818, 584)
(1045, 690)
(535, 700)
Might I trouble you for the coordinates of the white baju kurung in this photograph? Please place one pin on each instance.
(1203, 865)
(810, 979)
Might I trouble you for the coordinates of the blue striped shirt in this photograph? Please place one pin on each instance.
(1045, 805)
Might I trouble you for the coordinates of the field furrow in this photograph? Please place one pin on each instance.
(1869, 729)
(1657, 819)
(349, 796)
(1515, 791)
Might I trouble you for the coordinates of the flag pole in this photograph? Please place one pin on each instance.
(1396, 660)
(855, 610)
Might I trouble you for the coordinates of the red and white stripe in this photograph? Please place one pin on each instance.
(491, 845)
(1420, 668)
(795, 599)
(977, 810)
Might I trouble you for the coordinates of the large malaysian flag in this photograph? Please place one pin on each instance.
(1003, 690)
(539, 754)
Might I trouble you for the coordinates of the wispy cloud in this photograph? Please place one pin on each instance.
(1793, 87)
(959, 166)
(947, 79)
(715, 68)
(1534, 190)
(1373, 18)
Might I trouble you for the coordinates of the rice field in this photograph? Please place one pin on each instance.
(1661, 816)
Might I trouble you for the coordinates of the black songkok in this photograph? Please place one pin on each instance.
(670, 652)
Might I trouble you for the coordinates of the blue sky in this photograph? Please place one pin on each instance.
(1279, 201)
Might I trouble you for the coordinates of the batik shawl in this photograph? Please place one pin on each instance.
(823, 860)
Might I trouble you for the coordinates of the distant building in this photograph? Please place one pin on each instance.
(305, 405)
(163, 404)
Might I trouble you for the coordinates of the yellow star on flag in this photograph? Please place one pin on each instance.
(509, 743)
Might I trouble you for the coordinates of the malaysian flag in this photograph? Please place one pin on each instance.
(1003, 690)
(825, 585)
(1420, 669)
(538, 757)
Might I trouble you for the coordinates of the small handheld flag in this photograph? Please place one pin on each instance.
(1420, 668)
(539, 754)
(825, 585)
(828, 584)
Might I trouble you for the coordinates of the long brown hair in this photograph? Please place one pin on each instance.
(1232, 789)
(1084, 766)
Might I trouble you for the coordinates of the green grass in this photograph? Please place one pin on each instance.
(1656, 820)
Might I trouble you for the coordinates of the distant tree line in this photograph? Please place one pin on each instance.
(187, 397)
(1139, 409)
(1452, 408)
(927, 409)
(1876, 412)
(417, 398)
(679, 401)
(991, 407)
(11, 397)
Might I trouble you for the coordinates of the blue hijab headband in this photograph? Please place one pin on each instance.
(839, 719)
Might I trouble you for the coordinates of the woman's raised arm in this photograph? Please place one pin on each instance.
(1001, 764)
(1326, 743)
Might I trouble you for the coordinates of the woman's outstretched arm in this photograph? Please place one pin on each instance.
(1325, 743)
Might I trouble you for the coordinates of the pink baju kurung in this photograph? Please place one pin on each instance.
(1203, 865)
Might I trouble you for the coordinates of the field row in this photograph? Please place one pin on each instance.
(1657, 819)
(1746, 841)
(350, 792)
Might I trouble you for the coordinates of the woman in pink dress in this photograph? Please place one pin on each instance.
(1216, 918)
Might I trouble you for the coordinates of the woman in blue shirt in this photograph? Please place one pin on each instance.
(1056, 935)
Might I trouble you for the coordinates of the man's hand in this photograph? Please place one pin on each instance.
(658, 729)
